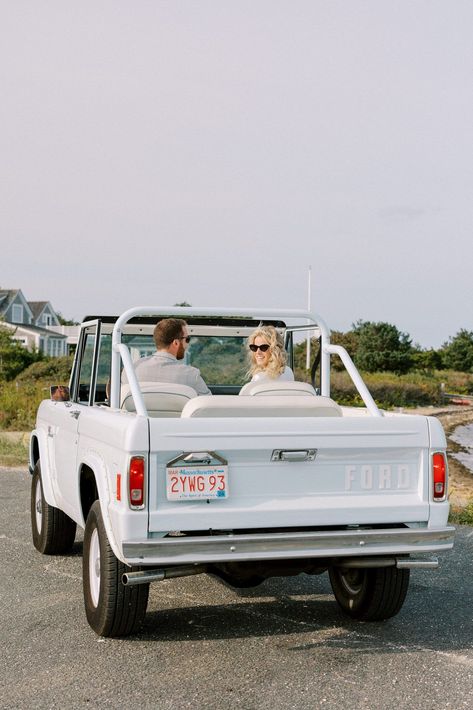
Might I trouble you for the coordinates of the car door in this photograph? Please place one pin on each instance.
(66, 436)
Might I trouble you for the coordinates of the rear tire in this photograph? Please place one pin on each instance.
(112, 609)
(370, 594)
(53, 531)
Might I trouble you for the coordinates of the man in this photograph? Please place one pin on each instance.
(172, 339)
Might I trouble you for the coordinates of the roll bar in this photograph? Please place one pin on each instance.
(121, 352)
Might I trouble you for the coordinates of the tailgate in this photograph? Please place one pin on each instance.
(365, 471)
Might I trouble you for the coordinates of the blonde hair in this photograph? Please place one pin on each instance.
(277, 355)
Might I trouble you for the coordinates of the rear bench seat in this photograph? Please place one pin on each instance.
(273, 406)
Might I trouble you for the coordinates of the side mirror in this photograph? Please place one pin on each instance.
(60, 393)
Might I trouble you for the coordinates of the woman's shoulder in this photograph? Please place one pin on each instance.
(260, 377)
(287, 375)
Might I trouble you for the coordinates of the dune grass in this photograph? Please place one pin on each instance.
(13, 452)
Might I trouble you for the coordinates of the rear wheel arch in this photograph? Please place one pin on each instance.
(34, 450)
(89, 492)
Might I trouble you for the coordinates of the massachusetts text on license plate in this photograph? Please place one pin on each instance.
(194, 482)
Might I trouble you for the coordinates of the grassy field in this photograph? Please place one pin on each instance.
(13, 449)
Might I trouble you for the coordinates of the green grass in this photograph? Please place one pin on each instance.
(13, 453)
(462, 516)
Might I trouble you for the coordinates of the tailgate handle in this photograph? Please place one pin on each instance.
(293, 454)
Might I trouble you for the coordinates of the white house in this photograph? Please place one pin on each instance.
(35, 324)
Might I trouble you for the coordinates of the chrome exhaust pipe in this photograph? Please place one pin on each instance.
(158, 575)
(399, 562)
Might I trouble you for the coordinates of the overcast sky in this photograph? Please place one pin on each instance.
(211, 150)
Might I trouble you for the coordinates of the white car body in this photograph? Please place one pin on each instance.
(354, 489)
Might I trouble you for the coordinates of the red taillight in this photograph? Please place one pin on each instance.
(136, 481)
(439, 466)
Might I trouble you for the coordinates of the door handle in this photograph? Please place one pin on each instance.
(75, 413)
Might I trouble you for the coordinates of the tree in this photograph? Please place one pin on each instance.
(349, 341)
(458, 352)
(65, 321)
(14, 357)
(426, 360)
(382, 348)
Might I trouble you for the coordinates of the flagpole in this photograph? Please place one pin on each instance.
(307, 363)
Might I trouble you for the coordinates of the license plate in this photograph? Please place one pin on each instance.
(196, 482)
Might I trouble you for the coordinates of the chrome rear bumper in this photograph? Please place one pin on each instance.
(274, 546)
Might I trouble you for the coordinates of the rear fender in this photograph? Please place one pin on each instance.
(97, 465)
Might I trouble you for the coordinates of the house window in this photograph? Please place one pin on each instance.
(47, 319)
(54, 347)
(17, 313)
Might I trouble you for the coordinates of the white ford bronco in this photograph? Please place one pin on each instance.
(250, 482)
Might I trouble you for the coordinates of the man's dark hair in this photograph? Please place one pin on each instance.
(167, 330)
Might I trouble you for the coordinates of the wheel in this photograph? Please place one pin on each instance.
(53, 531)
(112, 609)
(370, 594)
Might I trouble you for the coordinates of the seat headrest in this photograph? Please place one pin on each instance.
(162, 399)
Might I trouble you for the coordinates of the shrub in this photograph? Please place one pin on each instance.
(14, 357)
(387, 389)
(56, 370)
(19, 403)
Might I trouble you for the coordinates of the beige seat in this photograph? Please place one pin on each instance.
(277, 406)
(277, 387)
(162, 399)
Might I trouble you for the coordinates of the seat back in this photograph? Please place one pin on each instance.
(276, 406)
(162, 399)
(278, 387)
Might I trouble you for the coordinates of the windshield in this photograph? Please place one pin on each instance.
(220, 359)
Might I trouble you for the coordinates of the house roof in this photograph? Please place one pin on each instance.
(36, 329)
(6, 297)
(37, 307)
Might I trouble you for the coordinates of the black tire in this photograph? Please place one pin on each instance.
(371, 594)
(53, 531)
(112, 609)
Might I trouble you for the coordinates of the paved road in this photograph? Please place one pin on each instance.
(282, 645)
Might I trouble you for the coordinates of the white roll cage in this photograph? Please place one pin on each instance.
(121, 352)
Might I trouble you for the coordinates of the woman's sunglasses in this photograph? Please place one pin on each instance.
(263, 347)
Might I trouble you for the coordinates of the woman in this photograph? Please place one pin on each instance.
(267, 356)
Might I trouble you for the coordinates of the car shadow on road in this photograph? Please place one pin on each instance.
(304, 608)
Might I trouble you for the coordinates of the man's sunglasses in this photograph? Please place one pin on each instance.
(263, 347)
(187, 338)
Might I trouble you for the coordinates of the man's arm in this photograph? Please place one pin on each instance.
(199, 384)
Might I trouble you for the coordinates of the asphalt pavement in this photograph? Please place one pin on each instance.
(282, 645)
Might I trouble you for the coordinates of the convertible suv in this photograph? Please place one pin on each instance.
(250, 482)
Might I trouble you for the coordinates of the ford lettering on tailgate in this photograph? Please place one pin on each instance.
(369, 477)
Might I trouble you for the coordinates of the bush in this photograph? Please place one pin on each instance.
(14, 357)
(19, 403)
(456, 382)
(387, 389)
(56, 370)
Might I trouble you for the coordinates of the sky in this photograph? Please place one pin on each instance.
(155, 151)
